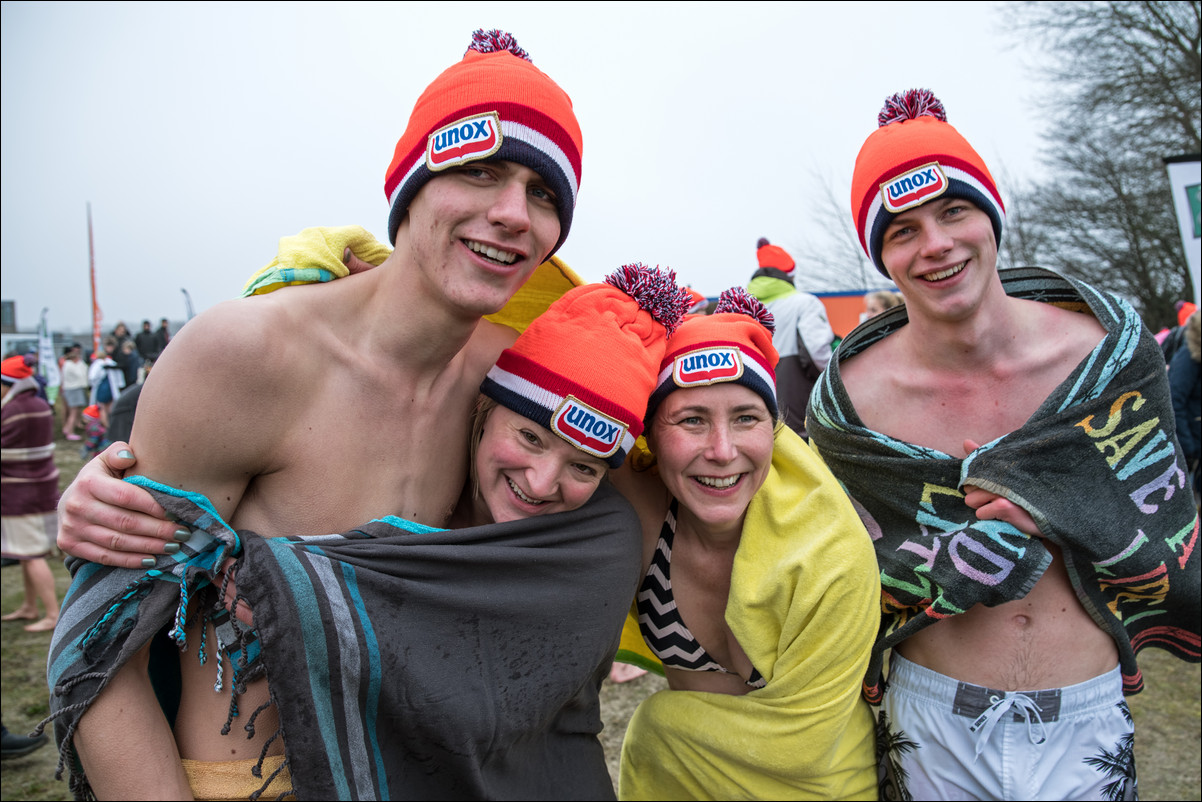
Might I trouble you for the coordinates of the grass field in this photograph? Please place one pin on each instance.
(1167, 714)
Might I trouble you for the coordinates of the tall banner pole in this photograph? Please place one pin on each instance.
(96, 316)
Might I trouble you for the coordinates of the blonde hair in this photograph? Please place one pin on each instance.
(886, 299)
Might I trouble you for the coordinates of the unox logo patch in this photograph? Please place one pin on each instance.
(586, 428)
(914, 187)
(465, 140)
(707, 366)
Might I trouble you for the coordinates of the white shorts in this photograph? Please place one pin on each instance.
(27, 537)
(939, 738)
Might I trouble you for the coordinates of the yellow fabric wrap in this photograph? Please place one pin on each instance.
(315, 255)
(805, 606)
(550, 280)
(233, 780)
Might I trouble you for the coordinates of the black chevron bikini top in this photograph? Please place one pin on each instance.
(659, 620)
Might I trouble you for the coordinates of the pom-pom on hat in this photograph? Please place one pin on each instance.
(770, 255)
(13, 369)
(734, 344)
(915, 156)
(585, 367)
(494, 104)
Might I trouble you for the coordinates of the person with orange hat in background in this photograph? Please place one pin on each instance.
(324, 406)
(803, 333)
(95, 433)
(28, 518)
(1009, 436)
(1172, 339)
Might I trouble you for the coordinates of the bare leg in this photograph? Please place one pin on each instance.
(39, 584)
(623, 672)
(28, 611)
(22, 613)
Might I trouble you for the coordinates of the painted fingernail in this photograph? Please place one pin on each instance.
(346, 256)
(181, 535)
(171, 516)
(148, 562)
(125, 454)
(170, 548)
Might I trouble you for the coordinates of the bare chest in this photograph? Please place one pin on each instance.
(701, 589)
(941, 411)
(943, 417)
(342, 465)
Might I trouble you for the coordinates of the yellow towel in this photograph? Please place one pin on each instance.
(549, 281)
(805, 606)
(315, 255)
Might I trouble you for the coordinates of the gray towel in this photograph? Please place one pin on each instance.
(405, 662)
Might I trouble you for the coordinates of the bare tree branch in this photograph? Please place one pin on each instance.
(1124, 96)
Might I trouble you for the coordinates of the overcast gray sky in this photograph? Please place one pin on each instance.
(201, 133)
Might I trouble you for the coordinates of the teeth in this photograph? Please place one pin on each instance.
(504, 257)
(718, 482)
(520, 494)
(951, 271)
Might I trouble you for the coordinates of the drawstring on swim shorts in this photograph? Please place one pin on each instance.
(1000, 707)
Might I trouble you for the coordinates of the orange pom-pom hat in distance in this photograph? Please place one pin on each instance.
(494, 104)
(734, 344)
(913, 157)
(15, 368)
(585, 368)
(769, 255)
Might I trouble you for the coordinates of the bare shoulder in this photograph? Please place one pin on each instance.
(1064, 336)
(240, 348)
(218, 399)
(647, 494)
(867, 374)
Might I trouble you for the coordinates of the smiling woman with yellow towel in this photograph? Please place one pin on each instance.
(765, 677)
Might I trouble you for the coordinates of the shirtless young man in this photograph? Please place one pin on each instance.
(325, 406)
(963, 364)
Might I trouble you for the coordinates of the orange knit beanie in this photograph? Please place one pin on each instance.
(585, 368)
(734, 344)
(494, 104)
(915, 156)
(770, 255)
(16, 368)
